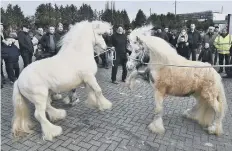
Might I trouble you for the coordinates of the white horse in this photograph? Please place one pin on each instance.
(203, 83)
(73, 65)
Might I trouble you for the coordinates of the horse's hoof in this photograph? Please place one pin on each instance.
(57, 96)
(106, 105)
(51, 132)
(157, 126)
(58, 115)
(66, 100)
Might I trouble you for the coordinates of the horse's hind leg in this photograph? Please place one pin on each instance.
(216, 126)
(101, 101)
(40, 100)
(53, 113)
(157, 124)
(91, 100)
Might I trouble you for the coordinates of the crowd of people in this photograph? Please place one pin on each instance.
(188, 43)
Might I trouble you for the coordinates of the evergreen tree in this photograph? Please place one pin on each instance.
(140, 18)
(85, 13)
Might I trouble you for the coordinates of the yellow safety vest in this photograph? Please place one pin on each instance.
(223, 44)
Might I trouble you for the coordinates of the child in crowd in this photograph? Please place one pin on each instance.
(183, 47)
(206, 54)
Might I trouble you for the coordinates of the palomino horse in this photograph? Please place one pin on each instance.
(73, 65)
(203, 83)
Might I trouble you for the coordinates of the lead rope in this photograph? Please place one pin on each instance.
(160, 64)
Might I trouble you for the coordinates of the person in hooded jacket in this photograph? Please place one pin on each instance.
(119, 41)
(12, 65)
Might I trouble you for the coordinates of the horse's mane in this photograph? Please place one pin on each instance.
(104, 25)
(161, 49)
(144, 30)
(72, 36)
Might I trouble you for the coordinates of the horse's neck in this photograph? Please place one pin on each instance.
(82, 49)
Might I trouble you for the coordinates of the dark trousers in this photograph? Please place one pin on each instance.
(104, 59)
(215, 58)
(223, 57)
(12, 70)
(229, 71)
(117, 62)
(27, 59)
(193, 51)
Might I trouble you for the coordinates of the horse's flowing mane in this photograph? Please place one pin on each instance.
(73, 35)
(80, 30)
(162, 50)
(144, 30)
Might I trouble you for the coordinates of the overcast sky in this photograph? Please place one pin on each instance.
(29, 7)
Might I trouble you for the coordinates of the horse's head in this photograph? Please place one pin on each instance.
(139, 54)
(100, 28)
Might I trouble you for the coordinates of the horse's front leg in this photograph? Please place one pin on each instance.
(157, 124)
(98, 99)
(130, 81)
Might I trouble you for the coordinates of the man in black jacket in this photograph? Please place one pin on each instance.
(119, 41)
(49, 42)
(194, 40)
(25, 45)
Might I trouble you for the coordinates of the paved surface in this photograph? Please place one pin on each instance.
(124, 127)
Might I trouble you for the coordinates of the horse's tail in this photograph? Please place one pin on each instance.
(21, 119)
(222, 108)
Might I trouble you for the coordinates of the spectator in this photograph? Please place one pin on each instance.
(166, 30)
(49, 42)
(216, 33)
(229, 70)
(60, 30)
(182, 47)
(12, 65)
(119, 41)
(25, 45)
(173, 39)
(161, 34)
(3, 54)
(223, 45)
(216, 30)
(39, 34)
(194, 40)
(104, 56)
(209, 38)
(206, 54)
(183, 33)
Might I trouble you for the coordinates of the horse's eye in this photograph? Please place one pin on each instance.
(136, 51)
(137, 57)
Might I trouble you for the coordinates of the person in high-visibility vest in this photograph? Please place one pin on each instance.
(223, 44)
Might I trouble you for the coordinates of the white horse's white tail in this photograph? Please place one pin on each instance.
(222, 104)
(21, 119)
